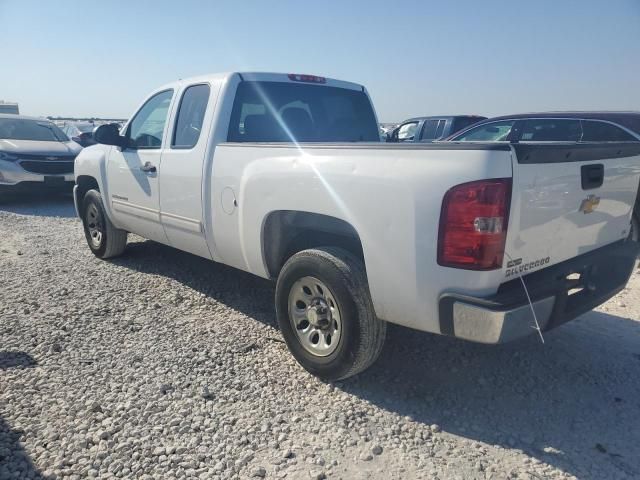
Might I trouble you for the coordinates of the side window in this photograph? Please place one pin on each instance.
(429, 130)
(146, 129)
(550, 130)
(463, 122)
(440, 128)
(193, 106)
(488, 132)
(604, 132)
(407, 131)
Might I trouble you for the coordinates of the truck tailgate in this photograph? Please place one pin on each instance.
(568, 199)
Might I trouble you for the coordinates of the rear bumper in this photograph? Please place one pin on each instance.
(507, 315)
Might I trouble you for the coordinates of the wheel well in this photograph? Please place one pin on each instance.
(286, 232)
(85, 183)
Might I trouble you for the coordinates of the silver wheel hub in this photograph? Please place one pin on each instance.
(314, 316)
(94, 225)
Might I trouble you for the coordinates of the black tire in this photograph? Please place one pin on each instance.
(635, 228)
(362, 333)
(112, 240)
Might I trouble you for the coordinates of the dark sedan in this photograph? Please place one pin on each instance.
(559, 127)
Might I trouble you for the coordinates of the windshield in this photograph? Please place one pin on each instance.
(86, 127)
(27, 129)
(288, 112)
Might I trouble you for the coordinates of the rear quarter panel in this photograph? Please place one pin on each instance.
(390, 194)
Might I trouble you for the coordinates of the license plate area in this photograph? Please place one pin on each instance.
(54, 180)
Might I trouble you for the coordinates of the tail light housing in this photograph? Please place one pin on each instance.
(473, 225)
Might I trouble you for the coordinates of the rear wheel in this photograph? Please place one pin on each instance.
(104, 240)
(325, 313)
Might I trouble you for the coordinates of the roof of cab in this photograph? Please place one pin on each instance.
(261, 76)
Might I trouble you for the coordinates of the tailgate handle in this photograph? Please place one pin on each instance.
(592, 176)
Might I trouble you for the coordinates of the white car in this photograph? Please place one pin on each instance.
(35, 155)
(283, 176)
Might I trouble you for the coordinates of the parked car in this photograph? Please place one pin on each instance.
(9, 107)
(429, 129)
(560, 127)
(80, 132)
(34, 153)
(437, 237)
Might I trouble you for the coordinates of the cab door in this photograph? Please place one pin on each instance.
(133, 170)
(181, 181)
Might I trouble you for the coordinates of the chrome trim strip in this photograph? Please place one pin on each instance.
(135, 210)
(180, 222)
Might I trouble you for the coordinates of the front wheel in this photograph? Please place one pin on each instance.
(105, 240)
(326, 315)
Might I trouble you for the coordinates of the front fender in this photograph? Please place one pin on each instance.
(92, 162)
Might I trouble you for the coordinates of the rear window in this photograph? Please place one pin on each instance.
(287, 112)
(26, 129)
(604, 132)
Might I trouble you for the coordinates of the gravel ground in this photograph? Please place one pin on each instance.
(162, 365)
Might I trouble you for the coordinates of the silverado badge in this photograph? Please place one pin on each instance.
(589, 204)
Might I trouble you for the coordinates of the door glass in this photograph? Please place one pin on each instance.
(429, 130)
(407, 131)
(550, 130)
(147, 127)
(604, 132)
(489, 132)
(190, 116)
(440, 128)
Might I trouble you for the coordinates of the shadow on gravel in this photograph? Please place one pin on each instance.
(570, 402)
(39, 205)
(16, 360)
(14, 460)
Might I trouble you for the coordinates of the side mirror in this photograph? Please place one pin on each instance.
(109, 134)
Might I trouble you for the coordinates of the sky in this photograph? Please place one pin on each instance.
(486, 57)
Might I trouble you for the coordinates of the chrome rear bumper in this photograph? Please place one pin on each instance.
(557, 294)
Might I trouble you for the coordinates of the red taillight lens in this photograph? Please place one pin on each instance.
(473, 225)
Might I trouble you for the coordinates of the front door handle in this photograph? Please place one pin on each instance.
(148, 168)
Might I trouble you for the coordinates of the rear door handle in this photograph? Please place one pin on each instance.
(148, 168)
(592, 176)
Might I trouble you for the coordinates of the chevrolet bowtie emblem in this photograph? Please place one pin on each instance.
(589, 204)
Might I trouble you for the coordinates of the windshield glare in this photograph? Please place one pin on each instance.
(27, 129)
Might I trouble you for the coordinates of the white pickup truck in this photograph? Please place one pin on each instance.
(281, 176)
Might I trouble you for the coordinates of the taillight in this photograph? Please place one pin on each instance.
(473, 225)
